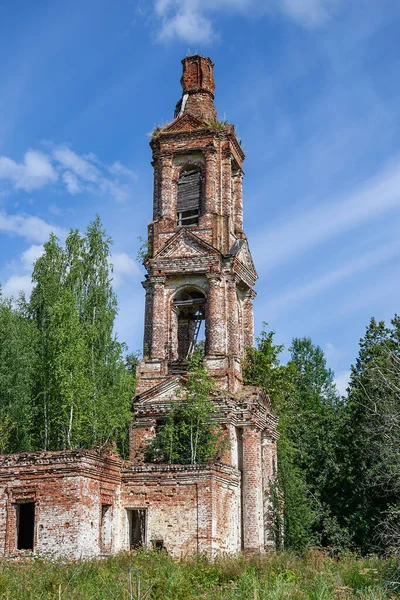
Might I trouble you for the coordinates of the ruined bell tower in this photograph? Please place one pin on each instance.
(200, 270)
(199, 287)
(199, 283)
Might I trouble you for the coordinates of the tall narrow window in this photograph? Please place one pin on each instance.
(189, 197)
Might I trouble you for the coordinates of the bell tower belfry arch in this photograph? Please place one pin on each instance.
(200, 278)
(199, 268)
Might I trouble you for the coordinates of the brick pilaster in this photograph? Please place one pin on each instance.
(253, 531)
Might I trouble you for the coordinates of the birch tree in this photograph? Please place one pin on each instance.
(18, 365)
(83, 388)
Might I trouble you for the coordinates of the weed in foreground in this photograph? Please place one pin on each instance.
(147, 575)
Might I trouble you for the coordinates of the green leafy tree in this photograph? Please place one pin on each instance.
(262, 367)
(83, 387)
(189, 434)
(47, 277)
(305, 399)
(370, 466)
(18, 364)
(316, 423)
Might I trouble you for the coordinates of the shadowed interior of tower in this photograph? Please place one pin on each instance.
(189, 311)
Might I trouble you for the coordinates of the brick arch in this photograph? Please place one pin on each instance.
(184, 319)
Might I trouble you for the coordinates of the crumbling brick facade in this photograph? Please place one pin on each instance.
(199, 273)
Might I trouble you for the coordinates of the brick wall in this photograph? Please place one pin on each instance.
(67, 489)
(193, 509)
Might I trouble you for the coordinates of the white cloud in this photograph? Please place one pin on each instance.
(78, 173)
(88, 174)
(119, 169)
(342, 381)
(189, 27)
(17, 284)
(29, 256)
(75, 163)
(313, 228)
(29, 227)
(35, 172)
(124, 267)
(310, 13)
(71, 181)
(192, 20)
(23, 282)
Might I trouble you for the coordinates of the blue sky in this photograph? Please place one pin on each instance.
(313, 89)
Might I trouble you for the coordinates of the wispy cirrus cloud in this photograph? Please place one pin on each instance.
(62, 166)
(374, 197)
(193, 20)
(293, 297)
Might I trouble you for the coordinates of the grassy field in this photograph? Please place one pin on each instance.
(285, 576)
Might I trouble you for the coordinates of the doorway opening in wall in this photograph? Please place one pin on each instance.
(25, 525)
(137, 519)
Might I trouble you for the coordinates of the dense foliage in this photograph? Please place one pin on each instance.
(18, 368)
(63, 378)
(371, 469)
(280, 576)
(189, 434)
(65, 383)
(339, 460)
(307, 403)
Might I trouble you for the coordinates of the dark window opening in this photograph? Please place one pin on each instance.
(26, 525)
(190, 308)
(137, 528)
(188, 217)
(189, 197)
(158, 545)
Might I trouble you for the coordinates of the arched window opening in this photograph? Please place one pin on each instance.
(189, 308)
(189, 197)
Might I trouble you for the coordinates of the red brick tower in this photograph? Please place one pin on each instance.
(199, 269)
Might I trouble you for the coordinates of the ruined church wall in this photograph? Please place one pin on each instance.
(67, 489)
(227, 516)
(192, 509)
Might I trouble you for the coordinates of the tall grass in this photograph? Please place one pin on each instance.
(152, 575)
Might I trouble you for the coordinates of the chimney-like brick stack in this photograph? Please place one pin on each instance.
(198, 88)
